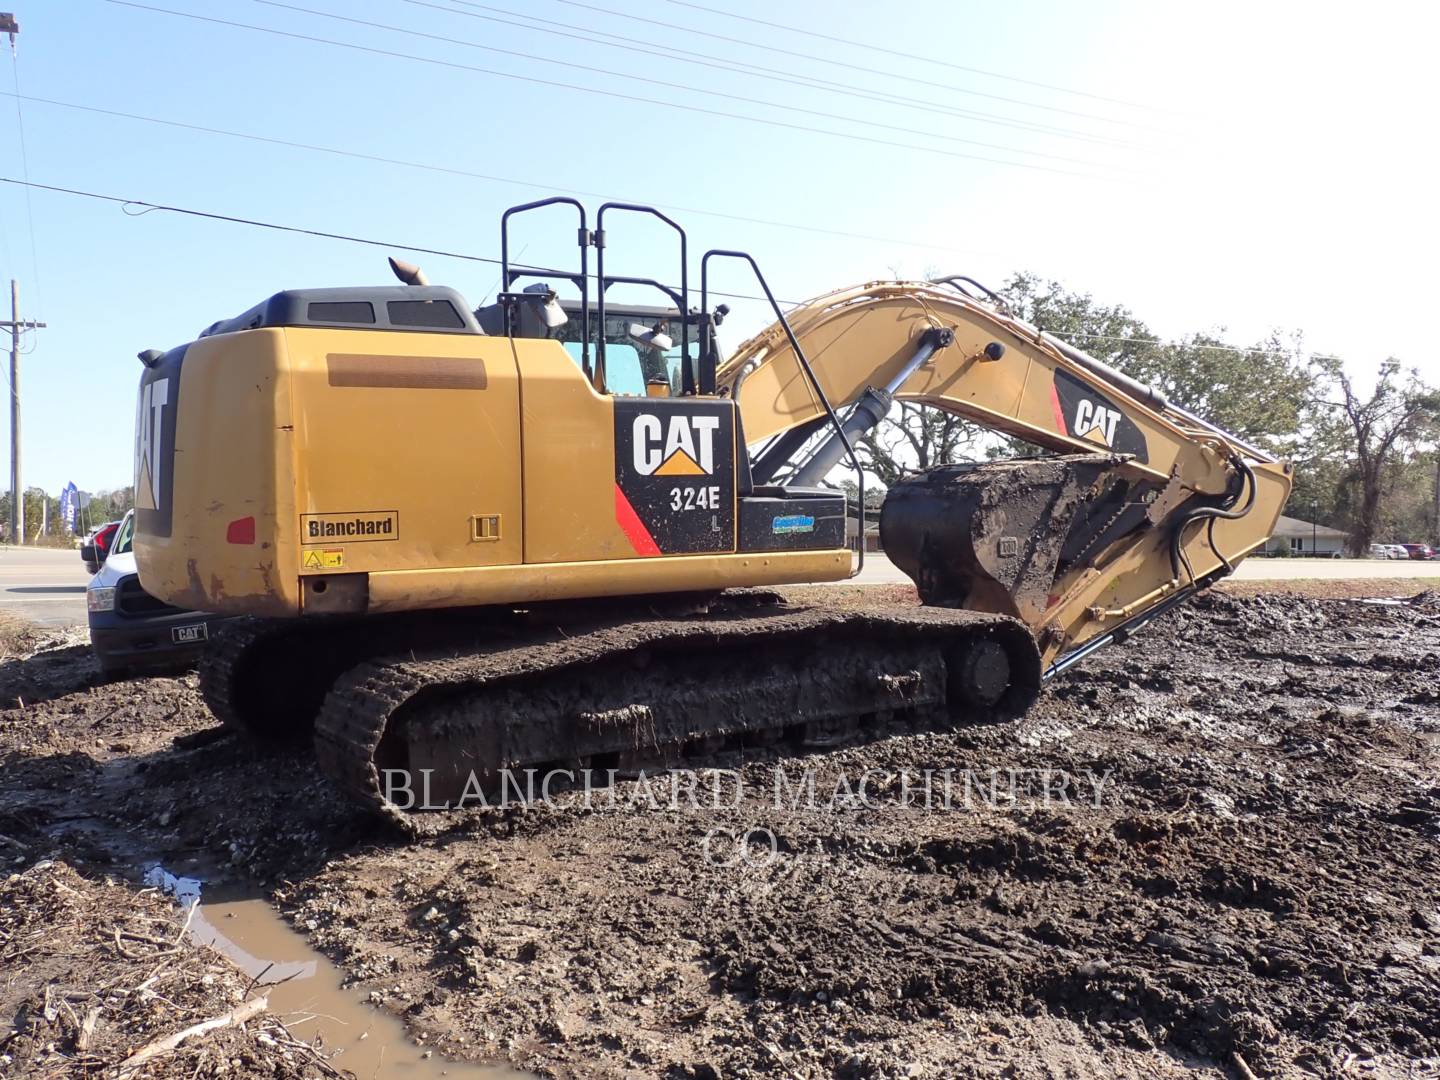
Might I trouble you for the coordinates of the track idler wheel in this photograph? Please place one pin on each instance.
(979, 675)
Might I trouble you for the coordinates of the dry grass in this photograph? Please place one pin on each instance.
(18, 637)
(102, 981)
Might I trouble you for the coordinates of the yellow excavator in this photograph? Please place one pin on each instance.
(466, 542)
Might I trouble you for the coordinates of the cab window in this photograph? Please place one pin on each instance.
(629, 366)
(125, 538)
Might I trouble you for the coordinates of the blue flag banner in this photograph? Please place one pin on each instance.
(70, 505)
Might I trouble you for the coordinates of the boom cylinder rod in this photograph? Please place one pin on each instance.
(870, 408)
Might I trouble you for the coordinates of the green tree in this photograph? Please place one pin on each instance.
(1109, 332)
(1324, 488)
(1409, 511)
(109, 505)
(1259, 392)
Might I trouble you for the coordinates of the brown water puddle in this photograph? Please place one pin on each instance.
(305, 990)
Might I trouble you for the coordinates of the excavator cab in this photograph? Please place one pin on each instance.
(656, 352)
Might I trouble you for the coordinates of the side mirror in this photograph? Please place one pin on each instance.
(653, 338)
(541, 301)
(88, 553)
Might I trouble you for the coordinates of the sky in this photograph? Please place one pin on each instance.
(1233, 167)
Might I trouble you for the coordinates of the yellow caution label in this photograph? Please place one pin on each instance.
(327, 559)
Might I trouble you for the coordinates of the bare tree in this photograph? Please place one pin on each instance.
(1380, 431)
(916, 437)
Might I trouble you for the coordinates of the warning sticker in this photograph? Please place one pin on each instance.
(327, 559)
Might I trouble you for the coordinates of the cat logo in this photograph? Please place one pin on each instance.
(149, 430)
(1082, 412)
(1092, 419)
(677, 445)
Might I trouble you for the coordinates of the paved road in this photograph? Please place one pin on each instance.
(880, 570)
(47, 585)
(44, 585)
(1335, 569)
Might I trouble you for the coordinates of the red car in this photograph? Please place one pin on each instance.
(1419, 551)
(94, 550)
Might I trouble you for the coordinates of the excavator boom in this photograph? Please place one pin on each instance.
(1136, 505)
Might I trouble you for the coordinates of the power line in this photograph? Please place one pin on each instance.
(1159, 344)
(605, 93)
(591, 36)
(449, 40)
(853, 67)
(453, 171)
(872, 47)
(147, 207)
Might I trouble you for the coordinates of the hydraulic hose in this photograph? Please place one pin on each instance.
(1213, 513)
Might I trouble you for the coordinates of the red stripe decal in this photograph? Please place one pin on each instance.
(1059, 412)
(635, 530)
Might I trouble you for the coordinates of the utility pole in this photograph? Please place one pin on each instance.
(15, 326)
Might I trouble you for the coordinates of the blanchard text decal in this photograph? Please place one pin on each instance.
(355, 527)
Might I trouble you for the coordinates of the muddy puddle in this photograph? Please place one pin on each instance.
(306, 990)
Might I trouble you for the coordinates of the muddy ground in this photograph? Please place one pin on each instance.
(1217, 857)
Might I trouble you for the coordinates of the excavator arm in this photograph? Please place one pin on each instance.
(1136, 504)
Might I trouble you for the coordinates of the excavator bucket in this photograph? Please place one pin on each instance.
(989, 536)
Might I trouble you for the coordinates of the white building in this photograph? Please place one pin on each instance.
(1307, 539)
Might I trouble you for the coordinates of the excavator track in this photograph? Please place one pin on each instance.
(432, 730)
(267, 678)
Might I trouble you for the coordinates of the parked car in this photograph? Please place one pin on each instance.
(1397, 551)
(1379, 551)
(1419, 551)
(132, 631)
(97, 545)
